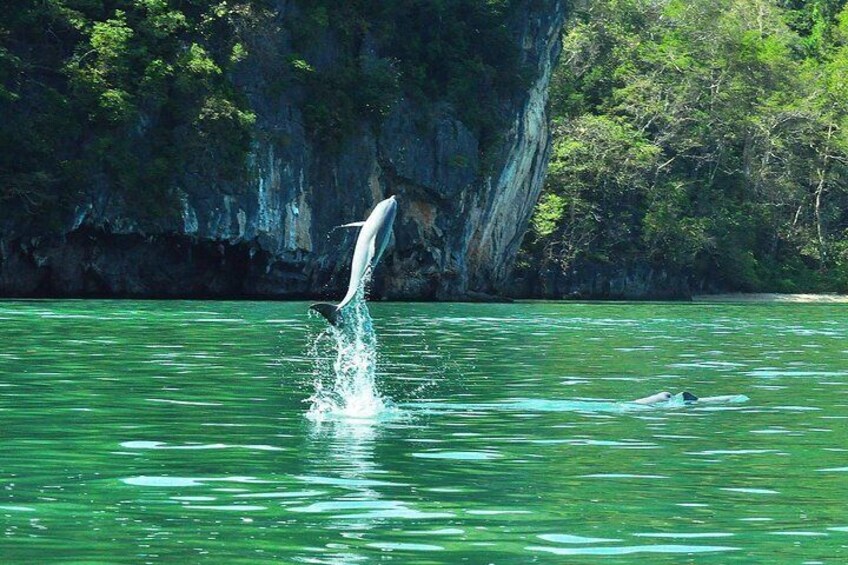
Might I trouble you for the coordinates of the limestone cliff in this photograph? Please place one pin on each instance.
(463, 207)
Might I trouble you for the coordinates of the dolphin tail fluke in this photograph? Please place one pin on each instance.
(689, 397)
(329, 311)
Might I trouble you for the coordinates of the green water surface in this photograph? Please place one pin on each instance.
(165, 432)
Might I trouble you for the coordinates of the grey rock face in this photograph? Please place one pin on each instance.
(462, 214)
(588, 280)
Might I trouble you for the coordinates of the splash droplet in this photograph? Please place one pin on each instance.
(346, 362)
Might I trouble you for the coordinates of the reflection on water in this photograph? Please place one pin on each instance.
(345, 447)
(144, 432)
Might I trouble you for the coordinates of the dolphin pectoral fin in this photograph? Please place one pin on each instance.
(329, 311)
(688, 396)
(350, 225)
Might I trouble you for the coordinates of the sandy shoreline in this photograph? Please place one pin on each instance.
(772, 297)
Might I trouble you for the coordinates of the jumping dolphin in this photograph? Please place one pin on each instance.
(374, 235)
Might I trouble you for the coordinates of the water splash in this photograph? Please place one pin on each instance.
(346, 362)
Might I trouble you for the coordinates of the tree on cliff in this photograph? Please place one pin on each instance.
(127, 95)
(82, 83)
(707, 138)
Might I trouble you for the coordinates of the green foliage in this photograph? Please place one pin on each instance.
(133, 95)
(548, 214)
(342, 96)
(197, 62)
(595, 180)
(110, 92)
(455, 51)
(705, 137)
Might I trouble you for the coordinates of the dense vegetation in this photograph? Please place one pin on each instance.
(458, 52)
(122, 94)
(126, 96)
(707, 138)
